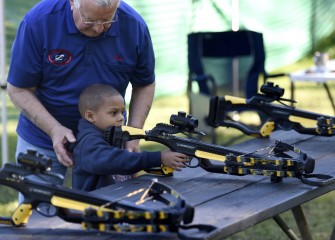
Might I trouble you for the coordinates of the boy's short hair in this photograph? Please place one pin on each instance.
(92, 97)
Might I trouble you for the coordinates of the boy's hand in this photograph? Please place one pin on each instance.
(174, 160)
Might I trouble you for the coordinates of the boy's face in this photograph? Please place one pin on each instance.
(110, 113)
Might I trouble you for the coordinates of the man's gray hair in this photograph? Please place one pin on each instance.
(102, 3)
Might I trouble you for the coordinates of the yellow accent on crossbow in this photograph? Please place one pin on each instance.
(75, 205)
(162, 215)
(102, 227)
(207, 155)
(167, 170)
(163, 228)
(21, 214)
(149, 228)
(225, 169)
(235, 100)
(303, 121)
(267, 129)
(133, 131)
(238, 159)
(147, 215)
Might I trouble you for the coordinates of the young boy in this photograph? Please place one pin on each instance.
(96, 162)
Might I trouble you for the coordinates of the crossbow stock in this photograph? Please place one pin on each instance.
(43, 192)
(277, 163)
(269, 113)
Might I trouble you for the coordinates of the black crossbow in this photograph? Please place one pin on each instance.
(270, 113)
(278, 165)
(43, 192)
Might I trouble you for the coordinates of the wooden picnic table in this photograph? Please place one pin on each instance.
(230, 203)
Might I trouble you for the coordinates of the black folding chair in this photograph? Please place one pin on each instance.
(223, 63)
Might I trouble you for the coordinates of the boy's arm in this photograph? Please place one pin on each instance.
(98, 157)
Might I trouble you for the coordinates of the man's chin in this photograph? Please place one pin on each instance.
(92, 34)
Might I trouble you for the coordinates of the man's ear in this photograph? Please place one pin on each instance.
(72, 4)
(90, 116)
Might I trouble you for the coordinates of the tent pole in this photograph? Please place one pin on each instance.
(4, 147)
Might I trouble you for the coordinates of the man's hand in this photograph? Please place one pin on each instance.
(60, 136)
(25, 100)
(133, 146)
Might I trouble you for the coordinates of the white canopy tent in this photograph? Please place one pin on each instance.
(4, 145)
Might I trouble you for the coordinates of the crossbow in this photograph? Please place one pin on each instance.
(270, 113)
(278, 165)
(44, 193)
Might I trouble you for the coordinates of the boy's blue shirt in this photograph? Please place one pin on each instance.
(95, 159)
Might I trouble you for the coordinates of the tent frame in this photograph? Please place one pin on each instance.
(4, 145)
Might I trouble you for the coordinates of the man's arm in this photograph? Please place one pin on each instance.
(139, 108)
(25, 100)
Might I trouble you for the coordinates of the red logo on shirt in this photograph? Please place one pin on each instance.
(59, 56)
(118, 58)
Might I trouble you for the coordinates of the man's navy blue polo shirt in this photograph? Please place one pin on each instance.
(50, 54)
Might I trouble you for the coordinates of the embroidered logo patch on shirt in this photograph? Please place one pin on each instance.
(59, 56)
(118, 58)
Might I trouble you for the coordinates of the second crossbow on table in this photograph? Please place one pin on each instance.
(277, 163)
(270, 113)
